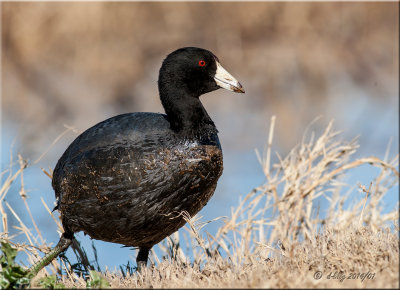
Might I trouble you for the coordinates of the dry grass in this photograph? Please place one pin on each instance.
(276, 236)
(53, 54)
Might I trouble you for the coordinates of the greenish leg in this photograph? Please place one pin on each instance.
(62, 245)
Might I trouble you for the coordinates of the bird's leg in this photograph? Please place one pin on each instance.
(64, 242)
(141, 259)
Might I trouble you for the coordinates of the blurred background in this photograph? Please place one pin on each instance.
(76, 64)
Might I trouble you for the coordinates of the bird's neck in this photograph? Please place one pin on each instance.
(185, 112)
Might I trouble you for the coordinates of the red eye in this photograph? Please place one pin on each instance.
(202, 63)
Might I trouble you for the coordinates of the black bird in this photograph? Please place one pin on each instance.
(128, 179)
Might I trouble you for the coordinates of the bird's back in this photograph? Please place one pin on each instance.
(128, 179)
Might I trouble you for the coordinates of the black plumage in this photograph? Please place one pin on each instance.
(129, 178)
(128, 188)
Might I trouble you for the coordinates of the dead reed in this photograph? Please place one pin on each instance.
(277, 236)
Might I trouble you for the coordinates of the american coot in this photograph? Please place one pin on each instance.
(128, 179)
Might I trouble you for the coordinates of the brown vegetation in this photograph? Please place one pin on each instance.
(78, 63)
(275, 237)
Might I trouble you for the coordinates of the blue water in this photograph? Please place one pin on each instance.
(375, 122)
